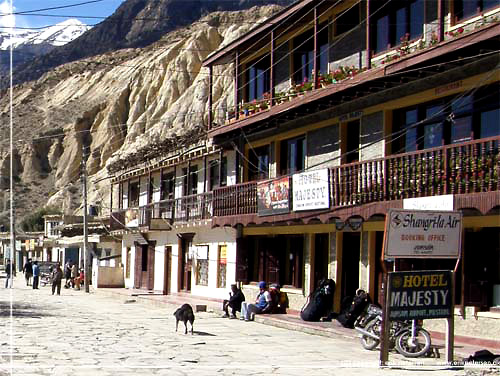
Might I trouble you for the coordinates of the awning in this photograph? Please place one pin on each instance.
(77, 240)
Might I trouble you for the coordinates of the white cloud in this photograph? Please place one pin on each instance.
(10, 20)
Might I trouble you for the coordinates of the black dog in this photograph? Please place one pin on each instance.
(185, 314)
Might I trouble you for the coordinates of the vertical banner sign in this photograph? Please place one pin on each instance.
(311, 190)
(273, 197)
(418, 295)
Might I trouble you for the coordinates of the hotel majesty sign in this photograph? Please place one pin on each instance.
(311, 190)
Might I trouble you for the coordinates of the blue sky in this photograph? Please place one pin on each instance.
(99, 8)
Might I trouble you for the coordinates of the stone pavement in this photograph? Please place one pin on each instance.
(93, 334)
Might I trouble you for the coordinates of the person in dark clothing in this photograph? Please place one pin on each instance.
(236, 297)
(28, 271)
(9, 268)
(36, 275)
(57, 275)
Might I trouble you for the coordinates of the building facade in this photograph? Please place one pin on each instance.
(342, 111)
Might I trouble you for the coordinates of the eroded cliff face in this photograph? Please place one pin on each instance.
(113, 107)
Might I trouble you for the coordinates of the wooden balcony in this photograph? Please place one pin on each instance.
(467, 168)
(180, 210)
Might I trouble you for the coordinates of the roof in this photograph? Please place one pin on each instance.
(220, 56)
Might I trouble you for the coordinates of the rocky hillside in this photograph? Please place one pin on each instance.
(112, 105)
(135, 24)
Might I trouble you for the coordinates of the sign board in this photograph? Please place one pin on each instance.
(422, 233)
(310, 190)
(416, 295)
(18, 245)
(273, 197)
(442, 202)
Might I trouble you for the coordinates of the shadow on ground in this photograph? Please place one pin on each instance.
(22, 310)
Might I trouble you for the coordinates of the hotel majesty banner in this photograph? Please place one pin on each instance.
(273, 197)
(420, 295)
(311, 190)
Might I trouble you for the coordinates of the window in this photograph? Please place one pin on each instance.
(167, 186)
(397, 21)
(202, 265)
(134, 193)
(347, 20)
(258, 78)
(352, 142)
(214, 173)
(293, 155)
(190, 182)
(303, 57)
(448, 121)
(258, 163)
(221, 270)
(463, 9)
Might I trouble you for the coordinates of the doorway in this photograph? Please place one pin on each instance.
(144, 266)
(320, 258)
(350, 263)
(185, 264)
(166, 270)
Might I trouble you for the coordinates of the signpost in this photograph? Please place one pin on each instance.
(412, 295)
(273, 196)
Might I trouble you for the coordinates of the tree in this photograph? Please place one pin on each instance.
(35, 222)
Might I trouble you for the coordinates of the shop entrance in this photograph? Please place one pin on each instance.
(167, 262)
(185, 264)
(144, 266)
(350, 263)
(320, 258)
(481, 267)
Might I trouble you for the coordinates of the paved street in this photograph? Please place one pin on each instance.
(91, 334)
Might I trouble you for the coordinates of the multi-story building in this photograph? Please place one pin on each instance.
(342, 111)
(164, 217)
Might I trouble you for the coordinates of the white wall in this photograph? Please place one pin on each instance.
(159, 264)
(143, 190)
(125, 195)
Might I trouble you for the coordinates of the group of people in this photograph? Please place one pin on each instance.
(31, 270)
(73, 276)
(270, 300)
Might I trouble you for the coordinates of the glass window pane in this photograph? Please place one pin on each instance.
(461, 129)
(462, 105)
(490, 123)
(400, 25)
(433, 135)
(411, 117)
(434, 111)
(487, 4)
(382, 31)
(251, 84)
(416, 18)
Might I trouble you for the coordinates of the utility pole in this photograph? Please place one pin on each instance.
(86, 265)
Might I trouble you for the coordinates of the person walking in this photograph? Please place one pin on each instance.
(57, 275)
(74, 274)
(28, 271)
(36, 275)
(67, 273)
(9, 269)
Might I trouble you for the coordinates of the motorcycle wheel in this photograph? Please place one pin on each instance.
(370, 343)
(416, 348)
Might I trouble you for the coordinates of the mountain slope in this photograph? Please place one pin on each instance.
(136, 23)
(115, 104)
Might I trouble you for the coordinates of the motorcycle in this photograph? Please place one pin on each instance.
(408, 337)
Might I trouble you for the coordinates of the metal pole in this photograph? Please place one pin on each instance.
(85, 229)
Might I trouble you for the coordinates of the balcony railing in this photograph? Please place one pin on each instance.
(454, 169)
(184, 209)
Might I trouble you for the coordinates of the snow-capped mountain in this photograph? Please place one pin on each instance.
(56, 35)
